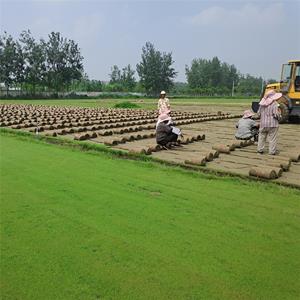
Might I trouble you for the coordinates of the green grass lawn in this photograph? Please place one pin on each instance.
(79, 225)
(143, 103)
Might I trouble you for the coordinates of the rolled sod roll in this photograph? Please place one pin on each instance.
(197, 161)
(209, 156)
(93, 135)
(221, 148)
(148, 150)
(284, 165)
(231, 147)
(111, 142)
(265, 172)
(122, 140)
(15, 127)
(238, 144)
(79, 137)
(132, 151)
(138, 137)
(185, 141)
(249, 142)
(152, 149)
(200, 137)
(131, 138)
(243, 143)
(215, 153)
(294, 156)
(107, 132)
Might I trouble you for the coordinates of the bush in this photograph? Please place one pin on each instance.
(126, 104)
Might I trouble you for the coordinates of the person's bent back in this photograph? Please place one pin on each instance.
(164, 134)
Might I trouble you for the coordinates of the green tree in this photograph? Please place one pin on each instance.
(11, 61)
(121, 80)
(86, 85)
(212, 76)
(127, 78)
(249, 85)
(197, 73)
(115, 75)
(63, 62)
(155, 70)
(35, 60)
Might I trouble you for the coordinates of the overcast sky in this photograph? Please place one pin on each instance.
(255, 36)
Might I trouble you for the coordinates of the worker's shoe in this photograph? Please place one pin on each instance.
(275, 153)
(260, 152)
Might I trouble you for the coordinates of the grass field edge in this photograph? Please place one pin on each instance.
(124, 154)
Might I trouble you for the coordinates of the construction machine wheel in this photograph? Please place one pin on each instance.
(284, 112)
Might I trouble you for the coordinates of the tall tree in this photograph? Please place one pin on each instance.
(211, 74)
(155, 70)
(249, 85)
(115, 75)
(197, 73)
(35, 60)
(127, 78)
(11, 61)
(63, 61)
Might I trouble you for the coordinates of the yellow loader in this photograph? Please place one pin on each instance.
(289, 86)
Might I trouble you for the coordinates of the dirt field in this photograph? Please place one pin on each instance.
(208, 141)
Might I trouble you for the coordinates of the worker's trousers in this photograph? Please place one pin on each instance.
(270, 133)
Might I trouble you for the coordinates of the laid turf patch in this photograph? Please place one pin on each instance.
(87, 226)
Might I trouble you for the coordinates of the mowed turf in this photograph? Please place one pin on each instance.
(142, 103)
(79, 225)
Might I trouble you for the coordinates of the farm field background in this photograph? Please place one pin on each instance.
(177, 103)
(84, 225)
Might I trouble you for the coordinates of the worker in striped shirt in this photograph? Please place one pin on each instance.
(269, 122)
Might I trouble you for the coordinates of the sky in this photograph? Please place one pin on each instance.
(256, 36)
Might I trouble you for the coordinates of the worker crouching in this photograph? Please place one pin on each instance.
(166, 133)
(247, 128)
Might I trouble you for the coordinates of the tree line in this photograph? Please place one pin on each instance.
(32, 64)
(56, 65)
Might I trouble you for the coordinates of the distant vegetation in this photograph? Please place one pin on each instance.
(126, 104)
(48, 68)
(39, 65)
